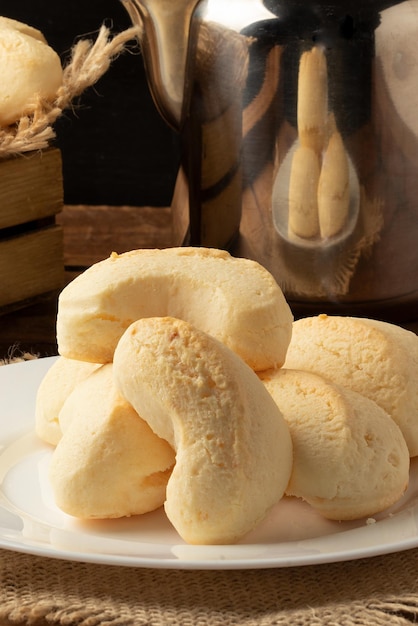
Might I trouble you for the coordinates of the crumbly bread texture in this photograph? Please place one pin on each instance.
(377, 359)
(233, 447)
(59, 381)
(350, 458)
(29, 69)
(236, 300)
(108, 462)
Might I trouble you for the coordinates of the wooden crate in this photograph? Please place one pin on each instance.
(31, 242)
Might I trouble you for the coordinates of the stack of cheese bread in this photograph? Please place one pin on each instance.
(183, 381)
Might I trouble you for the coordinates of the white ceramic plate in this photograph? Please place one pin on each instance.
(292, 535)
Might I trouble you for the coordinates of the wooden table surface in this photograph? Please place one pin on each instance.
(91, 233)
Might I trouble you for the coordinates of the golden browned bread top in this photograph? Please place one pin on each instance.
(233, 299)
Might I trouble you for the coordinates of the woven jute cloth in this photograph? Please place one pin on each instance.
(39, 591)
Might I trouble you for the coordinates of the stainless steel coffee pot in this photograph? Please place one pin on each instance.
(299, 128)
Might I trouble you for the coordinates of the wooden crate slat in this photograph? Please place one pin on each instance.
(31, 187)
(31, 264)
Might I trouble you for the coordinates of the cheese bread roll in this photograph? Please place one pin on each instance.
(374, 358)
(236, 300)
(350, 458)
(7, 22)
(233, 448)
(29, 69)
(108, 463)
(57, 384)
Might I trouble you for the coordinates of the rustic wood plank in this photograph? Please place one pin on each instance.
(31, 187)
(91, 233)
(31, 264)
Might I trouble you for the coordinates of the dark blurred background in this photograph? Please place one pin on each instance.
(116, 148)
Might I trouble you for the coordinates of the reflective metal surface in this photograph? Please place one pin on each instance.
(299, 128)
(165, 43)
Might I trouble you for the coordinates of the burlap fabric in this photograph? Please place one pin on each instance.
(39, 591)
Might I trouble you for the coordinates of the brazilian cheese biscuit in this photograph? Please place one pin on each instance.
(236, 300)
(29, 69)
(374, 358)
(57, 384)
(233, 447)
(7, 22)
(350, 458)
(108, 463)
